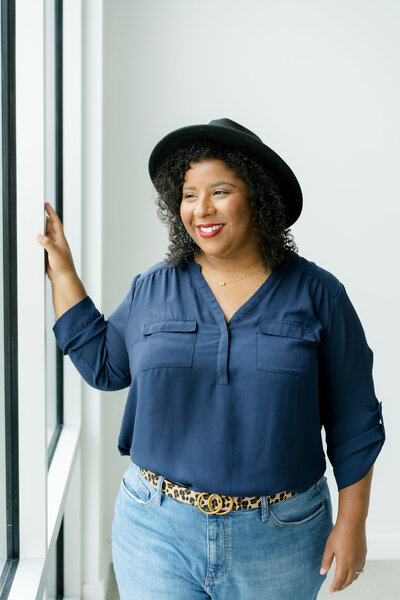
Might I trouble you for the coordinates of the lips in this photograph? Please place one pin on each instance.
(207, 234)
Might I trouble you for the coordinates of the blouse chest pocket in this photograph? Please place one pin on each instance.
(284, 347)
(168, 343)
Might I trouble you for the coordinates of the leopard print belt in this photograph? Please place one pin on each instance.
(216, 503)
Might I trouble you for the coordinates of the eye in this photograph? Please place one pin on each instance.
(187, 196)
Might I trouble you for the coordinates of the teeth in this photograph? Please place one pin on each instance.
(209, 229)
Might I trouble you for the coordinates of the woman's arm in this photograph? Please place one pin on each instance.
(354, 500)
(347, 541)
(66, 291)
(95, 346)
(352, 417)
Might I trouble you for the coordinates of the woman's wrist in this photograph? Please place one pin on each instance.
(67, 291)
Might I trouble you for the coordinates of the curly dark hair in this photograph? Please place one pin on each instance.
(269, 214)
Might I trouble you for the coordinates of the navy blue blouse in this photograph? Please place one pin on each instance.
(235, 408)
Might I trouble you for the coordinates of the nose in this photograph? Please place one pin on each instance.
(204, 206)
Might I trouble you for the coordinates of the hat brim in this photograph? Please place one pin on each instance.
(284, 175)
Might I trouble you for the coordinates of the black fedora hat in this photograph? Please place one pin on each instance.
(232, 134)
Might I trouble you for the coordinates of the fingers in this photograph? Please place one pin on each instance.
(342, 579)
(48, 227)
(339, 580)
(326, 561)
(54, 231)
(53, 219)
(50, 210)
(44, 240)
(343, 576)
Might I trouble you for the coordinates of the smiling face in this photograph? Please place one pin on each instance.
(213, 194)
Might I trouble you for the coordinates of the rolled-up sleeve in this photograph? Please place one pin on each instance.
(97, 346)
(350, 412)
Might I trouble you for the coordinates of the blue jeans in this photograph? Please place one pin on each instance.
(164, 549)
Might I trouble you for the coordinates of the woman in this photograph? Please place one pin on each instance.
(236, 351)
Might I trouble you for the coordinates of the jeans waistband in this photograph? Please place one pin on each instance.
(210, 503)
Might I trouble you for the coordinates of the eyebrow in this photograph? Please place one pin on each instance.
(212, 185)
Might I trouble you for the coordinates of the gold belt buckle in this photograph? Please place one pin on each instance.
(220, 503)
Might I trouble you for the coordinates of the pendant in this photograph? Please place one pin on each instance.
(222, 283)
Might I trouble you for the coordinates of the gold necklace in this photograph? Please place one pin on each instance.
(223, 282)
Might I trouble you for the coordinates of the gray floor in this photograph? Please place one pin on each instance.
(380, 580)
(112, 590)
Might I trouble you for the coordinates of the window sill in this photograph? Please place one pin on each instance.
(30, 578)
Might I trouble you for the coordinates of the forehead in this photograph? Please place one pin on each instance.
(209, 166)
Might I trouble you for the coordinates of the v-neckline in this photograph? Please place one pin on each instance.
(195, 269)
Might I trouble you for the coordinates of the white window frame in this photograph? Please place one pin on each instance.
(46, 495)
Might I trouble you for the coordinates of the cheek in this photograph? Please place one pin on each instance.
(239, 214)
(246, 212)
(238, 206)
(185, 215)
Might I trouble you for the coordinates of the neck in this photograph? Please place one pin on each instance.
(231, 266)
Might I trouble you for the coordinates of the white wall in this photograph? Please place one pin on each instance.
(317, 82)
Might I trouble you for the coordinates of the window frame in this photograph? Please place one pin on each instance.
(10, 292)
(58, 207)
(49, 491)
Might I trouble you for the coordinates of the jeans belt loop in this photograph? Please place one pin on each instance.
(159, 487)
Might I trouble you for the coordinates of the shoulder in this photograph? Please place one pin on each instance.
(161, 268)
(315, 274)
